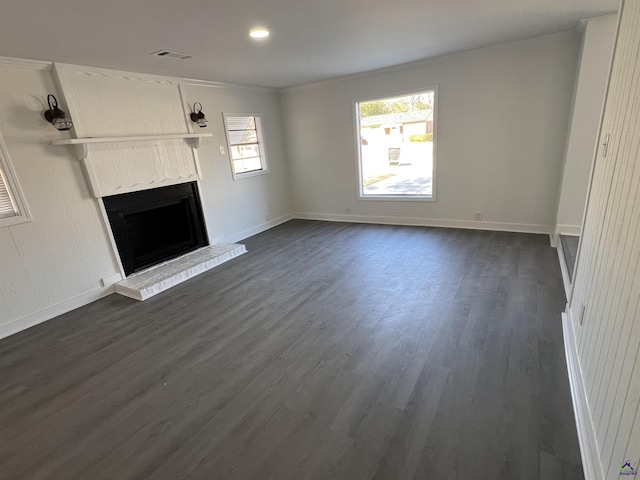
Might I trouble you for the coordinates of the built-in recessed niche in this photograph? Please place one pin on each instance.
(153, 226)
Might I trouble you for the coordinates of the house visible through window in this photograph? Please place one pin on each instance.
(396, 146)
(246, 145)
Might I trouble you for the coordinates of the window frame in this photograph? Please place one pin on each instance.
(261, 145)
(23, 213)
(358, 145)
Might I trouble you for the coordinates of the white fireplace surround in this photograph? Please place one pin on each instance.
(141, 140)
(142, 107)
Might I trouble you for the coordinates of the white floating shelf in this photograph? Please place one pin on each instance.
(82, 144)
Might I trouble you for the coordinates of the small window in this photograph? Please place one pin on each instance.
(396, 146)
(13, 208)
(246, 145)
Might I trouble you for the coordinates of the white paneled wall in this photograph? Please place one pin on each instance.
(604, 308)
(57, 261)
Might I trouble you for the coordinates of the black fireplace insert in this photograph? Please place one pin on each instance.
(152, 226)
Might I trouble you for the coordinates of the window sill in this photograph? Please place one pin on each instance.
(398, 198)
(15, 220)
(256, 173)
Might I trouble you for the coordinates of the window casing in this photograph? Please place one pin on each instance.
(245, 141)
(396, 146)
(13, 207)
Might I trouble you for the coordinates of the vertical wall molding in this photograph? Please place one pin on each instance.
(602, 328)
(586, 435)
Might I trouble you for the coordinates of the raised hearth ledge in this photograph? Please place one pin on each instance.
(159, 278)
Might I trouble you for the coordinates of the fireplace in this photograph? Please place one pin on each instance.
(152, 226)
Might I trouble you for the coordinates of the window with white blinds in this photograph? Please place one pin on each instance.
(13, 207)
(7, 205)
(246, 146)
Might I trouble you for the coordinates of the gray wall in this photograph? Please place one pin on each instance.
(501, 129)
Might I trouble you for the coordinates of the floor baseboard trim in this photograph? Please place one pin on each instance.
(586, 434)
(573, 230)
(258, 229)
(28, 321)
(566, 279)
(428, 222)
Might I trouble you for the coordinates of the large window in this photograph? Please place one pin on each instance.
(13, 207)
(396, 138)
(246, 145)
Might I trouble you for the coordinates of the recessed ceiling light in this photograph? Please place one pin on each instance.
(259, 33)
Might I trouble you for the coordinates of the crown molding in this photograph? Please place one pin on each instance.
(215, 84)
(25, 63)
(457, 56)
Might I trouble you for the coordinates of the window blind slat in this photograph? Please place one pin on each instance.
(7, 207)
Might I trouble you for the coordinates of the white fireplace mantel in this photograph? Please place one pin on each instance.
(132, 130)
(82, 144)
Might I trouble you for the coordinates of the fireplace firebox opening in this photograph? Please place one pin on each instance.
(153, 226)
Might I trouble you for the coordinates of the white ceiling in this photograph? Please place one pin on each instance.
(311, 40)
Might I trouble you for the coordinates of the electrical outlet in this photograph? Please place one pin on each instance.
(347, 210)
(267, 217)
(478, 216)
(221, 149)
(394, 211)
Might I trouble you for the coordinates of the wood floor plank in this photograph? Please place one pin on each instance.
(329, 351)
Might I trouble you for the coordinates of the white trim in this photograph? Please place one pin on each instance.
(258, 229)
(25, 63)
(264, 160)
(591, 462)
(112, 241)
(16, 192)
(82, 144)
(113, 73)
(358, 141)
(428, 222)
(213, 84)
(566, 278)
(571, 230)
(596, 150)
(475, 52)
(15, 326)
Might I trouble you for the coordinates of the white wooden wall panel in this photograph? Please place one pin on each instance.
(607, 279)
(64, 252)
(107, 103)
(18, 295)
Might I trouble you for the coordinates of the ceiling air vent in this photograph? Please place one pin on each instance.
(170, 54)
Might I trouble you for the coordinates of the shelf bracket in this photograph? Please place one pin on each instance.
(82, 150)
(193, 142)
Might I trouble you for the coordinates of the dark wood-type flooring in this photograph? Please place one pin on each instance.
(329, 351)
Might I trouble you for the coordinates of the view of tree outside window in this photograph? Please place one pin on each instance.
(396, 146)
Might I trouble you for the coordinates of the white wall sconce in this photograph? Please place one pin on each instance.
(197, 116)
(55, 116)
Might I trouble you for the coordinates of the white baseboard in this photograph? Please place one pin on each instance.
(572, 230)
(258, 229)
(586, 433)
(19, 324)
(566, 278)
(428, 222)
